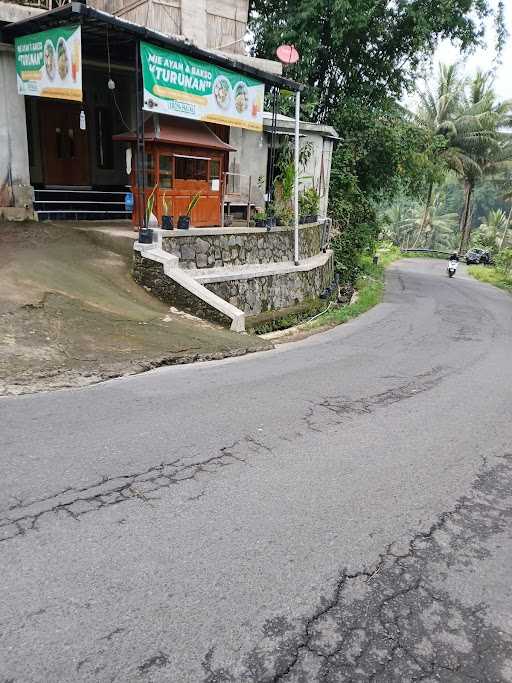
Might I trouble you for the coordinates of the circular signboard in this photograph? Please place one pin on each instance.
(287, 54)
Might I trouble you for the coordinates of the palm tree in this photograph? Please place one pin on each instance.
(493, 232)
(472, 122)
(441, 231)
(438, 109)
(398, 222)
(490, 230)
(481, 147)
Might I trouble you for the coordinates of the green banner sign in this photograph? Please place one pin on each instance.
(49, 63)
(182, 86)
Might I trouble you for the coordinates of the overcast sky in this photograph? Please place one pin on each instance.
(486, 58)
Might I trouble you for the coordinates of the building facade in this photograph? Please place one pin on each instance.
(124, 117)
(69, 159)
(45, 150)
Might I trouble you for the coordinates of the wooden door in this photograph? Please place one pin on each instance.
(64, 146)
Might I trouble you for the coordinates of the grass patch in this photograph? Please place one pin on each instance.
(492, 276)
(369, 286)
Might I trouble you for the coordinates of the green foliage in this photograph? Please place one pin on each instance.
(309, 202)
(150, 203)
(166, 205)
(357, 57)
(192, 204)
(491, 231)
(284, 182)
(284, 213)
(354, 218)
(504, 261)
(401, 223)
(369, 286)
(492, 276)
(358, 49)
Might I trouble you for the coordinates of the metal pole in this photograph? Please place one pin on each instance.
(223, 198)
(249, 203)
(296, 179)
(141, 156)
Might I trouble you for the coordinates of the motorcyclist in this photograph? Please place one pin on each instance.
(454, 257)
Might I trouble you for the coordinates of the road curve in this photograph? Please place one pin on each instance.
(338, 509)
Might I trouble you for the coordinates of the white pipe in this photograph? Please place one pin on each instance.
(296, 180)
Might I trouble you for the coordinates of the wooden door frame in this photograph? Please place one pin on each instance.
(85, 162)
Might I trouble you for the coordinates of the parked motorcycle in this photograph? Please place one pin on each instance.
(452, 268)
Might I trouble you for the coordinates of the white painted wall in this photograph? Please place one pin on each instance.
(251, 155)
(15, 187)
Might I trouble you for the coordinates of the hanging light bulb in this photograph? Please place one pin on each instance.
(111, 84)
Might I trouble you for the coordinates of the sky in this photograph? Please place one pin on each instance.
(484, 58)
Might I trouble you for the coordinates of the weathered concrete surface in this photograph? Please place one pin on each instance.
(71, 314)
(15, 191)
(334, 510)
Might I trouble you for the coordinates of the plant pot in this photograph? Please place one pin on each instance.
(312, 218)
(167, 223)
(183, 222)
(260, 222)
(146, 236)
(302, 220)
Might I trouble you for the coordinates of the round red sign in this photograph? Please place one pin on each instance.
(287, 54)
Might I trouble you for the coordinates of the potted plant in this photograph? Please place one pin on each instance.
(260, 219)
(166, 216)
(312, 206)
(184, 220)
(270, 213)
(284, 215)
(146, 234)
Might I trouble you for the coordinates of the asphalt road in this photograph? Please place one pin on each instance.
(338, 509)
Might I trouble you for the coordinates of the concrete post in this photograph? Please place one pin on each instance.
(16, 193)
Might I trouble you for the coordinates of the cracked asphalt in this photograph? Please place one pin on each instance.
(338, 509)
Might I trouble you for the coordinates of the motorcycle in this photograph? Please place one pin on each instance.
(452, 268)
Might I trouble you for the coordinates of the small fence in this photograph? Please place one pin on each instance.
(427, 251)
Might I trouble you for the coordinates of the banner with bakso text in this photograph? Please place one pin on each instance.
(179, 85)
(49, 63)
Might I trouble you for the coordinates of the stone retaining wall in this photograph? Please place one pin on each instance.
(238, 247)
(271, 292)
(273, 283)
(151, 275)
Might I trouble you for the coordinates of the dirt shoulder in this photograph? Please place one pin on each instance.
(71, 315)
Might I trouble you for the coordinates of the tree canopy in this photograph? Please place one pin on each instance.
(367, 50)
(357, 58)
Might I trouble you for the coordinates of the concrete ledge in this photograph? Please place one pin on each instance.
(209, 232)
(251, 271)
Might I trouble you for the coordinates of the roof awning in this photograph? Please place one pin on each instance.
(177, 131)
(123, 37)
